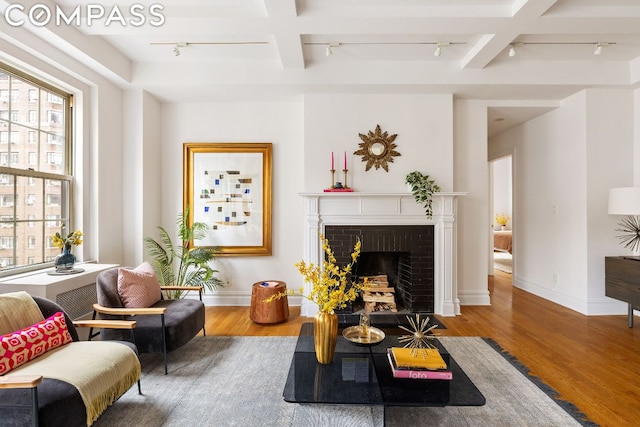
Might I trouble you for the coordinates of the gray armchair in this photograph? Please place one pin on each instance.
(161, 328)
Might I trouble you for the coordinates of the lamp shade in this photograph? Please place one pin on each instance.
(624, 201)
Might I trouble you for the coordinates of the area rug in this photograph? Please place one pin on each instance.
(503, 261)
(238, 381)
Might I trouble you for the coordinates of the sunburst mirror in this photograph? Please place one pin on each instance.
(377, 149)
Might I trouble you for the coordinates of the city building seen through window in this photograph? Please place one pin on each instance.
(35, 170)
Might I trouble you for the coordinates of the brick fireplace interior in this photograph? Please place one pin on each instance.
(404, 253)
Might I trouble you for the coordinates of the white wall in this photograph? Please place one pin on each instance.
(565, 161)
(141, 173)
(278, 123)
(304, 134)
(423, 123)
(610, 134)
(471, 175)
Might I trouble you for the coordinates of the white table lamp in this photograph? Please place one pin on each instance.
(624, 201)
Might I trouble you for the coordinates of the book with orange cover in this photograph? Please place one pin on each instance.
(426, 358)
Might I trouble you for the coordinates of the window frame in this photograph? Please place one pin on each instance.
(64, 177)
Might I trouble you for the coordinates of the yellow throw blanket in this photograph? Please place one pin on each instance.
(17, 311)
(102, 371)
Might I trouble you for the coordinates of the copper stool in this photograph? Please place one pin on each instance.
(276, 311)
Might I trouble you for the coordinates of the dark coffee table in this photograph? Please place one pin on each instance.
(361, 375)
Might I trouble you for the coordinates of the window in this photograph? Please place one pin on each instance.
(54, 116)
(53, 200)
(54, 139)
(54, 158)
(6, 221)
(6, 200)
(35, 174)
(53, 221)
(6, 242)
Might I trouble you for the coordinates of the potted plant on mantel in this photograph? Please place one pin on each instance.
(193, 267)
(422, 188)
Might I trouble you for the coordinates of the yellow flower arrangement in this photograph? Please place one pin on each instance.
(74, 238)
(330, 289)
(502, 219)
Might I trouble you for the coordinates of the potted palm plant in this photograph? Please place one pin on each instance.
(422, 187)
(177, 264)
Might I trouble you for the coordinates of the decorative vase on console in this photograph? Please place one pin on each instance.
(66, 260)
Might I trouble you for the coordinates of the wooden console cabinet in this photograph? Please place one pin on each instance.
(622, 281)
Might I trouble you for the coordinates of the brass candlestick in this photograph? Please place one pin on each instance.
(345, 171)
(333, 176)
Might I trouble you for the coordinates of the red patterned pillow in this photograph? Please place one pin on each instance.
(138, 287)
(26, 344)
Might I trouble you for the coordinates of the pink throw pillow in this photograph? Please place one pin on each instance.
(138, 287)
(19, 347)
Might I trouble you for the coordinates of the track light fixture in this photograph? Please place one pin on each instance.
(439, 47)
(178, 45)
(328, 51)
(176, 48)
(598, 49)
(329, 46)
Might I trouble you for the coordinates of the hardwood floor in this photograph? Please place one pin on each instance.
(591, 361)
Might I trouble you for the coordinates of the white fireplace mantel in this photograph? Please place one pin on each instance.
(322, 209)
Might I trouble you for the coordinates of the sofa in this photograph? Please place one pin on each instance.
(39, 372)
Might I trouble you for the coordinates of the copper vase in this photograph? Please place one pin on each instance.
(325, 334)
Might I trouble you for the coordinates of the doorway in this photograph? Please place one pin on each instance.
(502, 214)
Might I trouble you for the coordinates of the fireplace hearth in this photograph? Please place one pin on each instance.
(404, 253)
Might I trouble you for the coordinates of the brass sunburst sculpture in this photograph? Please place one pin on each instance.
(420, 335)
(377, 148)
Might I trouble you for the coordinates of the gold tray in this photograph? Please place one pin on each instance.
(353, 334)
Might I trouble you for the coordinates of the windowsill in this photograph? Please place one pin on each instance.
(41, 284)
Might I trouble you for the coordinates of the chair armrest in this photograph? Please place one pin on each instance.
(181, 288)
(20, 381)
(109, 324)
(123, 311)
(184, 288)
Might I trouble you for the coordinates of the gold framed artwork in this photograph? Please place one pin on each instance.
(227, 186)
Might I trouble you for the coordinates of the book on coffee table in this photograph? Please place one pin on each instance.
(425, 358)
(417, 373)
